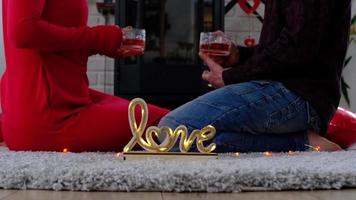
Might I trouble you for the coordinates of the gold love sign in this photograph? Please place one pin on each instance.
(171, 136)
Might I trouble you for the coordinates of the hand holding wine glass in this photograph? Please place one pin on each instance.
(133, 43)
(219, 47)
(214, 75)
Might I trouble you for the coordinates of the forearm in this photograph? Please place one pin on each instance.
(28, 30)
(243, 54)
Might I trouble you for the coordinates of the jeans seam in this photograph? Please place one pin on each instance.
(211, 104)
(292, 104)
(247, 92)
(250, 103)
(226, 113)
(180, 123)
(236, 108)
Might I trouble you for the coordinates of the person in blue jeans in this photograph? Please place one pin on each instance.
(281, 94)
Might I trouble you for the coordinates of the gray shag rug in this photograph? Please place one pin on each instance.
(248, 172)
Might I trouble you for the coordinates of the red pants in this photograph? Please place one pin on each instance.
(102, 126)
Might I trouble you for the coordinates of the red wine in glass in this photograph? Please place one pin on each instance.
(215, 49)
(134, 44)
(134, 39)
(215, 43)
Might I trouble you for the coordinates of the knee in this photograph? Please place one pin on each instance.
(168, 121)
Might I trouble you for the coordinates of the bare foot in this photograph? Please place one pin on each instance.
(316, 140)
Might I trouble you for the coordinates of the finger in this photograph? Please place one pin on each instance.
(134, 52)
(127, 28)
(213, 66)
(206, 58)
(217, 33)
(206, 75)
(129, 52)
(218, 59)
(122, 52)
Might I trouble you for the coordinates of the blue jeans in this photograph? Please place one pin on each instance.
(252, 116)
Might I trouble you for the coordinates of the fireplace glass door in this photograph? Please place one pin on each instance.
(169, 73)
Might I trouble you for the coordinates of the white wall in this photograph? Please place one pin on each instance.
(100, 68)
(350, 72)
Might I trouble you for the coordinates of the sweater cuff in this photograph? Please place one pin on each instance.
(231, 76)
(105, 40)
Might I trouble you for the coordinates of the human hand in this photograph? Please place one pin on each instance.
(126, 52)
(129, 48)
(214, 76)
(227, 61)
(127, 28)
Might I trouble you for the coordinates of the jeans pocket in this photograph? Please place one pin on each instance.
(290, 118)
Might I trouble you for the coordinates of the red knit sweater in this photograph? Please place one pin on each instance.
(47, 43)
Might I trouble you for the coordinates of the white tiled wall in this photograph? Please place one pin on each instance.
(350, 71)
(239, 25)
(100, 68)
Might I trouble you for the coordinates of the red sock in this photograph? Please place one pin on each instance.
(342, 128)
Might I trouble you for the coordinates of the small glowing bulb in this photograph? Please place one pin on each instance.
(292, 152)
(118, 155)
(317, 148)
(65, 150)
(237, 154)
(268, 153)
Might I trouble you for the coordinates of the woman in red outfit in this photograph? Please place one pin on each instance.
(46, 102)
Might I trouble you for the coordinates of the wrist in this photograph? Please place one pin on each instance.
(106, 39)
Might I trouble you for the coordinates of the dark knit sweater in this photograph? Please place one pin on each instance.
(303, 45)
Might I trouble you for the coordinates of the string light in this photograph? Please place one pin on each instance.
(317, 148)
(65, 150)
(267, 153)
(237, 154)
(292, 152)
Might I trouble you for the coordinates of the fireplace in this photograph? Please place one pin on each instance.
(169, 74)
